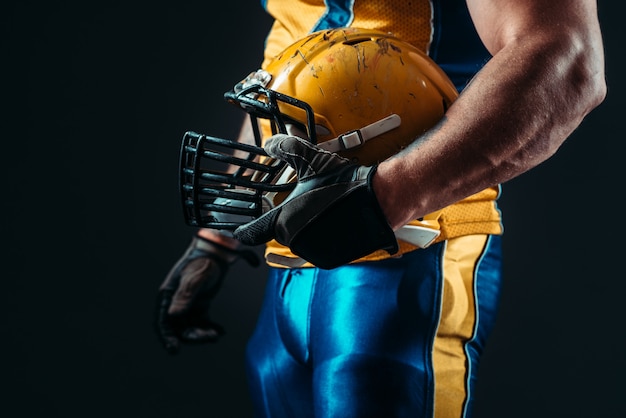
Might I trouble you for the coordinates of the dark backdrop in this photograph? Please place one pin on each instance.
(96, 97)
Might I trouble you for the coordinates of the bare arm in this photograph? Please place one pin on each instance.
(546, 75)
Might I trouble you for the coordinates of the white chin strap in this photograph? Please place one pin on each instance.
(360, 136)
(420, 236)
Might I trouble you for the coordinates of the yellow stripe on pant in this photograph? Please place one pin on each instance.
(456, 325)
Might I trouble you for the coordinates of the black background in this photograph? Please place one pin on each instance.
(96, 97)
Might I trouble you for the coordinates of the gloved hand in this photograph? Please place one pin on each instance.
(331, 217)
(185, 296)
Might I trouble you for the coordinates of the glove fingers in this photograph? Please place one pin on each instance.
(172, 330)
(163, 325)
(260, 230)
(184, 298)
(303, 156)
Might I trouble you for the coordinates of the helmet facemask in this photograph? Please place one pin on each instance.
(225, 183)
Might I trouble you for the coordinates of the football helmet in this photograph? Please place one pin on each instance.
(361, 93)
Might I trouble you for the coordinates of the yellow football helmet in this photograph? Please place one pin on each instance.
(358, 92)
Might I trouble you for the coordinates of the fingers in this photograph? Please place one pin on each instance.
(163, 325)
(173, 330)
(183, 301)
(304, 157)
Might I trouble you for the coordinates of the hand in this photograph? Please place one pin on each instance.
(185, 296)
(331, 217)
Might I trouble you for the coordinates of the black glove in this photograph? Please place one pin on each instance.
(331, 217)
(185, 296)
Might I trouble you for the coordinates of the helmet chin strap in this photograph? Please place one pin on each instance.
(360, 136)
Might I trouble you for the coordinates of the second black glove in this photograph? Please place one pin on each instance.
(185, 296)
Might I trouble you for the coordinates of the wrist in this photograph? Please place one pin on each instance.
(212, 241)
(214, 236)
(391, 195)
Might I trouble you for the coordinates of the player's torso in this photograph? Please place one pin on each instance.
(442, 29)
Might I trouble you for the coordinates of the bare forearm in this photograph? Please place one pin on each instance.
(514, 115)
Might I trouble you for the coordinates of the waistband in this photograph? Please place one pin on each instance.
(476, 214)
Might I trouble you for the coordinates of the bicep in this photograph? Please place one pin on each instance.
(502, 22)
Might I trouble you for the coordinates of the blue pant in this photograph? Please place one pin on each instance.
(394, 338)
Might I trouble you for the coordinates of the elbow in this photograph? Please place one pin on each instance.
(588, 76)
(597, 90)
(592, 87)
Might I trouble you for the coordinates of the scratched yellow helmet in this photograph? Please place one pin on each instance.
(361, 93)
(353, 78)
